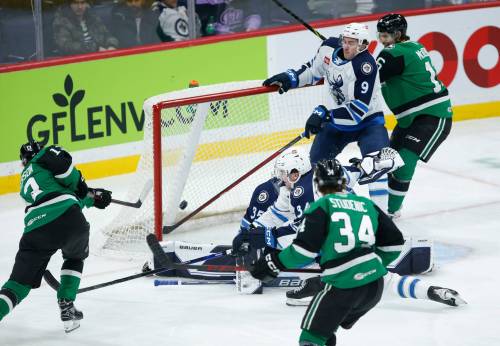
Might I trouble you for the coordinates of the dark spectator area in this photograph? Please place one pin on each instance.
(38, 29)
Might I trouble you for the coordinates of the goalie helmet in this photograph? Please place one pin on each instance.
(392, 23)
(359, 32)
(329, 174)
(28, 151)
(290, 161)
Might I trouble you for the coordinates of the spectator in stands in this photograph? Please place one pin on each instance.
(77, 31)
(173, 21)
(239, 16)
(210, 12)
(133, 24)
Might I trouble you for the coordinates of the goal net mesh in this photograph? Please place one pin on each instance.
(204, 148)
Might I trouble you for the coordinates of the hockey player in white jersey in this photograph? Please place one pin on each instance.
(355, 115)
(276, 228)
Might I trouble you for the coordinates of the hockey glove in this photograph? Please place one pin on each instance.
(241, 243)
(267, 267)
(285, 81)
(319, 116)
(102, 197)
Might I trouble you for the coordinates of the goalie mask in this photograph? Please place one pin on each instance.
(28, 151)
(291, 165)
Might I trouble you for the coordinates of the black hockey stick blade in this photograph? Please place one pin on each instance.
(164, 261)
(142, 196)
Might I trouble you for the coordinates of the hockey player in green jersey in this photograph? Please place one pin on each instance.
(55, 193)
(418, 99)
(354, 240)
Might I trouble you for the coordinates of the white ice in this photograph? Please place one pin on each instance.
(455, 200)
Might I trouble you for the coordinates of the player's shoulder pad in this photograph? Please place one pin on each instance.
(364, 64)
(56, 159)
(332, 42)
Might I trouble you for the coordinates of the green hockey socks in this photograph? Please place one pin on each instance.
(11, 294)
(399, 180)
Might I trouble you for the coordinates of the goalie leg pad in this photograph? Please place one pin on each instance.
(179, 251)
(416, 258)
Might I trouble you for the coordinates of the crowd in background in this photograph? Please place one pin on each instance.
(83, 26)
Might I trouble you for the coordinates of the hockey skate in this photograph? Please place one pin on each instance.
(303, 295)
(445, 295)
(69, 315)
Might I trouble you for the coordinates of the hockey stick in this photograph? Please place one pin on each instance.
(142, 196)
(54, 283)
(158, 282)
(165, 262)
(300, 20)
(168, 229)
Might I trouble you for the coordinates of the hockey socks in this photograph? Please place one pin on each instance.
(71, 273)
(310, 338)
(11, 294)
(399, 180)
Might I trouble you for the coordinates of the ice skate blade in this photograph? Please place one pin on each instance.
(70, 326)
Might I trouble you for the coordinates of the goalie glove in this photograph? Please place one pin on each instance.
(267, 267)
(372, 167)
(102, 197)
(255, 237)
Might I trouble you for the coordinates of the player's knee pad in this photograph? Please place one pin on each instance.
(416, 258)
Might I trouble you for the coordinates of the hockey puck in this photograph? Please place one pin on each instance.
(183, 205)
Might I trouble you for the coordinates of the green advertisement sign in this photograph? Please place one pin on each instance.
(97, 103)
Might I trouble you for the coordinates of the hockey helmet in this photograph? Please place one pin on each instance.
(28, 151)
(329, 174)
(290, 161)
(391, 23)
(357, 31)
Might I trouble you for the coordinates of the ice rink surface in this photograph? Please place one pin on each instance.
(454, 200)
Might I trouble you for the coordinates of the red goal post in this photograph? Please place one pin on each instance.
(200, 141)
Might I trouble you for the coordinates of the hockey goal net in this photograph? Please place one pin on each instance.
(197, 142)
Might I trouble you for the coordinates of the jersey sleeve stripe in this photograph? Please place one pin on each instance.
(304, 252)
(53, 201)
(360, 104)
(278, 215)
(65, 174)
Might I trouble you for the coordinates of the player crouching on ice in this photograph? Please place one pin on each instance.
(55, 193)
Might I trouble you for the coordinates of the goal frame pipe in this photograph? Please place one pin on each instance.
(157, 140)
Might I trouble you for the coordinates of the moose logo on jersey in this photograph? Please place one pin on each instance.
(336, 88)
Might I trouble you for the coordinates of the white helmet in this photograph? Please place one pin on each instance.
(293, 159)
(359, 32)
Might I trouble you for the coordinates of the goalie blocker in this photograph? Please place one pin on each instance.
(184, 252)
